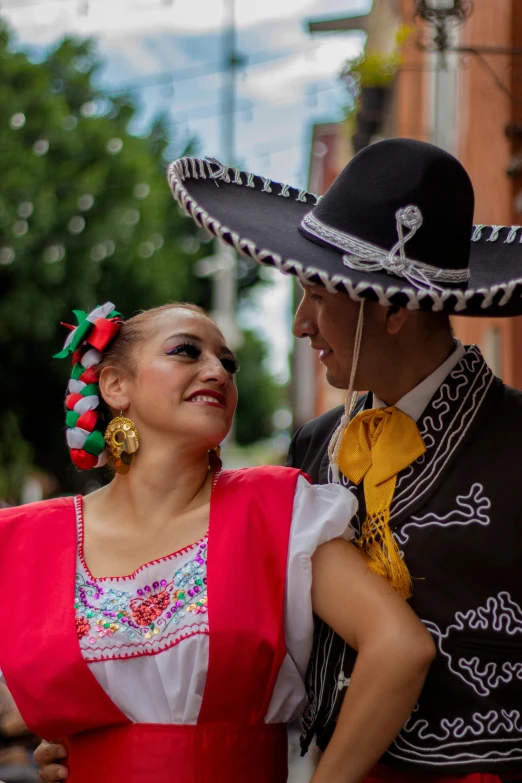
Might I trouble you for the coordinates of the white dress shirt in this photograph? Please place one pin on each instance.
(415, 401)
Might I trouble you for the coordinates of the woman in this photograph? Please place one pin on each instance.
(184, 668)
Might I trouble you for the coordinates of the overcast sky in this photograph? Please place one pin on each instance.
(289, 81)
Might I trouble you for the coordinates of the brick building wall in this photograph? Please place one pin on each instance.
(478, 111)
(463, 110)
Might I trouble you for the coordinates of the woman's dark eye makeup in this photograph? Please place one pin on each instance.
(230, 363)
(194, 351)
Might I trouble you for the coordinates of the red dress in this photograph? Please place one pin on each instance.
(382, 774)
(59, 697)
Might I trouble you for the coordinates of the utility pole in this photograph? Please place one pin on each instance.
(305, 369)
(222, 266)
(231, 62)
(224, 300)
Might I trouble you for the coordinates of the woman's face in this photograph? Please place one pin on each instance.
(184, 384)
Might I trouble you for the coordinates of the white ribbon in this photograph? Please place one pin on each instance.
(102, 459)
(91, 357)
(75, 387)
(89, 403)
(76, 437)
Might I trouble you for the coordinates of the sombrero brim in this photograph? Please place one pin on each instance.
(261, 219)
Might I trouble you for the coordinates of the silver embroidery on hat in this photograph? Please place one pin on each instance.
(363, 256)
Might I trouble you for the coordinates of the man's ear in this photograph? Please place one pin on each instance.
(396, 317)
(113, 388)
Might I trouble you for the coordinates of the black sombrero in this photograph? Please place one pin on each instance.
(396, 227)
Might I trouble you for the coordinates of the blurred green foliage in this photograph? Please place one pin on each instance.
(259, 396)
(85, 217)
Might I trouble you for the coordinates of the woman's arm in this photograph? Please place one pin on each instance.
(394, 654)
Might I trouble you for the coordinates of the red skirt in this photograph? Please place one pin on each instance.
(157, 753)
(383, 774)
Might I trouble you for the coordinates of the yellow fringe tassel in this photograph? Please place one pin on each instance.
(378, 544)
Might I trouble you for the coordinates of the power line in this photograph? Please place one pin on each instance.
(197, 71)
(244, 104)
(260, 150)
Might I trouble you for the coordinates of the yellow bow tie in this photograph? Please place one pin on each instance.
(376, 445)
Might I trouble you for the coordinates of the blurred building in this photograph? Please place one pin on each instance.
(330, 150)
(468, 102)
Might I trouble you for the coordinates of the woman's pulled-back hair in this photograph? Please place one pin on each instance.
(101, 339)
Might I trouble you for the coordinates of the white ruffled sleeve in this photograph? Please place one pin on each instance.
(321, 513)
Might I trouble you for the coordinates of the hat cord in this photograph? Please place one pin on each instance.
(350, 401)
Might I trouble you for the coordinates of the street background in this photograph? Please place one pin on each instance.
(97, 96)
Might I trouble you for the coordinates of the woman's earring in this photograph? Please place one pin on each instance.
(214, 458)
(121, 436)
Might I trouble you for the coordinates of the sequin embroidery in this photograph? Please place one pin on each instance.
(145, 613)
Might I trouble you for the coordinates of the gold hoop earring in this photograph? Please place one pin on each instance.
(214, 458)
(121, 436)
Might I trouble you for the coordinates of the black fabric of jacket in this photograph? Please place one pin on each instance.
(457, 516)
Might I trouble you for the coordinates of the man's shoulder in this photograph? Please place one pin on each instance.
(310, 443)
(507, 412)
(323, 424)
(512, 397)
(327, 422)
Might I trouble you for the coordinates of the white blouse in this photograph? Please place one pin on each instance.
(145, 636)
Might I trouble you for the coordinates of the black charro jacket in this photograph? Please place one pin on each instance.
(457, 515)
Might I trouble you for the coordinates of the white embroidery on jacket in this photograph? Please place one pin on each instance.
(471, 510)
(501, 614)
(444, 428)
(459, 742)
(343, 681)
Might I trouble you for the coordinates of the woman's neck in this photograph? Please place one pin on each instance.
(161, 485)
(160, 506)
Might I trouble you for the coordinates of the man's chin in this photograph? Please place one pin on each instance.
(334, 379)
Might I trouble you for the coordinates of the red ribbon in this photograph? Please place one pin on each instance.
(87, 421)
(83, 460)
(71, 400)
(103, 332)
(89, 376)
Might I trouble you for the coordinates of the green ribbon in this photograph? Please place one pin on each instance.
(77, 370)
(90, 389)
(71, 417)
(95, 443)
(81, 332)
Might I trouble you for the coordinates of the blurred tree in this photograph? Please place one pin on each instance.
(259, 395)
(85, 217)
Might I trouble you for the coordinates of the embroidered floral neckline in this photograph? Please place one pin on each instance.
(141, 615)
(164, 601)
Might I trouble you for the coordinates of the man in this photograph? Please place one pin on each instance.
(15, 743)
(432, 451)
